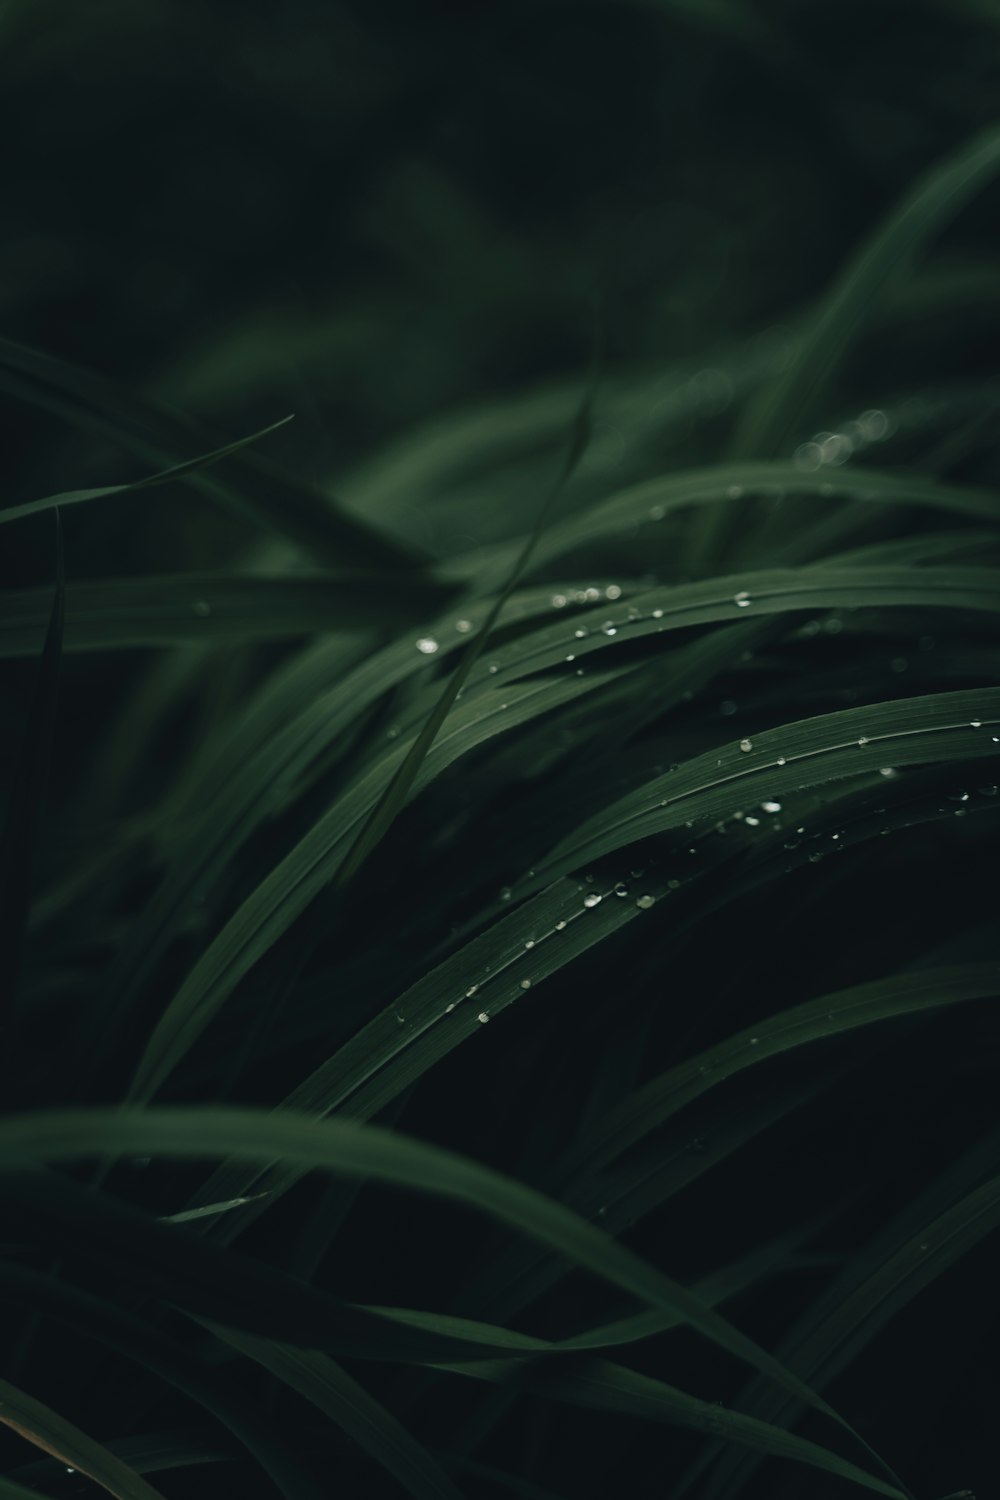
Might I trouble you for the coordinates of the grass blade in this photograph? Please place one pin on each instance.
(369, 1152)
(52, 1433)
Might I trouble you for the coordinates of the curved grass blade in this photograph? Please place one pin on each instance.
(829, 1015)
(164, 476)
(27, 795)
(215, 608)
(652, 502)
(259, 491)
(890, 250)
(702, 788)
(314, 862)
(52, 1433)
(603, 1386)
(912, 731)
(323, 1383)
(369, 1152)
(907, 1257)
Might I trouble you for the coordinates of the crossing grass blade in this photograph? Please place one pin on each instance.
(368, 1152)
(323, 1383)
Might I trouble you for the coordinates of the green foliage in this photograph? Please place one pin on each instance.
(499, 946)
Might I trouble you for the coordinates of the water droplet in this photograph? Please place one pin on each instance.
(427, 645)
(742, 599)
(621, 889)
(657, 614)
(449, 1007)
(975, 723)
(579, 634)
(815, 858)
(609, 628)
(874, 425)
(471, 991)
(673, 885)
(483, 1017)
(887, 771)
(781, 761)
(727, 708)
(644, 902)
(463, 626)
(754, 1041)
(559, 601)
(591, 595)
(958, 796)
(657, 512)
(560, 925)
(734, 492)
(392, 733)
(863, 739)
(987, 791)
(808, 456)
(571, 656)
(752, 822)
(505, 893)
(591, 899)
(493, 668)
(770, 807)
(612, 591)
(746, 745)
(400, 1019)
(526, 984)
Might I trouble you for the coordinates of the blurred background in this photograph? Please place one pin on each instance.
(372, 213)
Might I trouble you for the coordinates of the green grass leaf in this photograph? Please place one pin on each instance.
(370, 1153)
(47, 1430)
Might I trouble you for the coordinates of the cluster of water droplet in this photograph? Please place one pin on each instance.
(831, 449)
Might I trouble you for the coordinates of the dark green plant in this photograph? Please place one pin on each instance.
(458, 989)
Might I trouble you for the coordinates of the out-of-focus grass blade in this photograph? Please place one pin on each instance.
(27, 795)
(190, 608)
(931, 203)
(52, 1433)
(262, 493)
(165, 476)
(339, 1396)
(651, 503)
(383, 1156)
